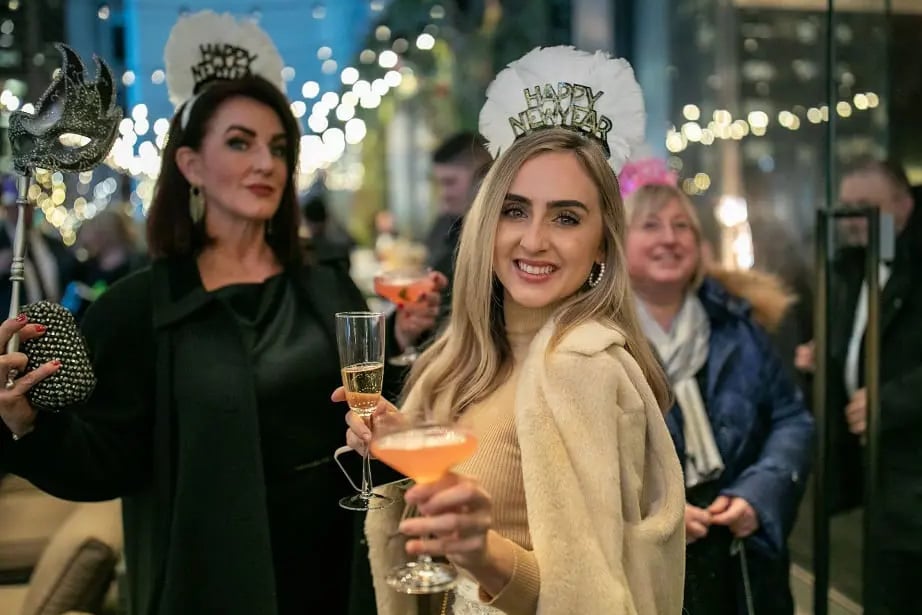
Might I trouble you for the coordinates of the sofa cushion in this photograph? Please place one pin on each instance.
(28, 518)
(12, 598)
(77, 567)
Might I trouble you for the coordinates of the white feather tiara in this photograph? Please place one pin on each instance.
(206, 46)
(592, 93)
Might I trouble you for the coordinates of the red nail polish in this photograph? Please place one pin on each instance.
(22, 318)
(56, 362)
(399, 306)
(40, 328)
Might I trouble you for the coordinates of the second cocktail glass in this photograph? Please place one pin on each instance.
(402, 286)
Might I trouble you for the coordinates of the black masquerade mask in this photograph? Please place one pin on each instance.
(75, 121)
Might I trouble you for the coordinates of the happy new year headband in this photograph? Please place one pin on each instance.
(204, 47)
(591, 93)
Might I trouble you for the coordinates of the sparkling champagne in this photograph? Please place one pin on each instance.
(363, 382)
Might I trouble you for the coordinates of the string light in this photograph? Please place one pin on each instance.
(723, 126)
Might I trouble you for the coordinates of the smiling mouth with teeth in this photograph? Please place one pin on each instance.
(533, 270)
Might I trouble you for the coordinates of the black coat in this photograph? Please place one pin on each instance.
(900, 487)
(160, 346)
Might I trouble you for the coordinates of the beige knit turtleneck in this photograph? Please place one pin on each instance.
(497, 464)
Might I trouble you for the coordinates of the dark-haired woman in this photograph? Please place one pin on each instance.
(211, 417)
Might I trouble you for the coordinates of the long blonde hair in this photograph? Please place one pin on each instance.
(471, 356)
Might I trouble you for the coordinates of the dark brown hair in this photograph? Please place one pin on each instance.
(170, 230)
(463, 148)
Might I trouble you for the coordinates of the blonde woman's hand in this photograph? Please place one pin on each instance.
(15, 410)
(414, 319)
(358, 436)
(457, 521)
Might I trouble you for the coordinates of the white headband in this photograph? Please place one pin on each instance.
(593, 94)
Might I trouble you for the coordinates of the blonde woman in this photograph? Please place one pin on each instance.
(740, 425)
(573, 502)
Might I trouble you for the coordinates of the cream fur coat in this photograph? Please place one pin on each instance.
(603, 485)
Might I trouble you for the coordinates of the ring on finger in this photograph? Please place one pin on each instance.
(10, 380)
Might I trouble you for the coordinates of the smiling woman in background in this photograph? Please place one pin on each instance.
(740, 423)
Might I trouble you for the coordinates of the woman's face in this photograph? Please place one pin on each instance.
(550, 231)
(241, 164)
(662, 249)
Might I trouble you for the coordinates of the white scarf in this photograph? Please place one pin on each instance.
(683, 351)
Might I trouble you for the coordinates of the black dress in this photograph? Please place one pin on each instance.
(293, 358)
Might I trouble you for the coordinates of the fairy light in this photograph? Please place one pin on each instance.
(393, 78)
(379, 87)
(387, 59)
(361, 88)
(317, 123)
(310, 89)
(345, 112)
(425, 41)
(349, 75)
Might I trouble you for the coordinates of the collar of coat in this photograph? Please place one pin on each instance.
(177, 290)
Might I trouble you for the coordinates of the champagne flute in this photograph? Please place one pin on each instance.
(360, 340)
(399, 286)
(425, 451)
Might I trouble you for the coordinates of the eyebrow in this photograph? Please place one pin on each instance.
(559, 204)
(252, 133)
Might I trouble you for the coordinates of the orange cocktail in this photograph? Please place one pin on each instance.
(402, 287)
(425, 453)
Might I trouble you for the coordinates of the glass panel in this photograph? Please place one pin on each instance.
(761, 105)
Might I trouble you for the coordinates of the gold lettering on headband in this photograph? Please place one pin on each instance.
(570, 105)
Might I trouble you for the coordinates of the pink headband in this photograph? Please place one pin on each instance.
(645, 172)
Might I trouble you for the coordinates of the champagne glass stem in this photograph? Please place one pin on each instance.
(366, 492)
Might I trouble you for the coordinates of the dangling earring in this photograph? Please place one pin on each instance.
(269, 227)
(196, 204)
(594, 281)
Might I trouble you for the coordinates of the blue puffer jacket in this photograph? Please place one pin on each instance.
(760, 421)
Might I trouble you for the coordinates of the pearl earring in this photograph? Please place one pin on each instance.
(594, 281)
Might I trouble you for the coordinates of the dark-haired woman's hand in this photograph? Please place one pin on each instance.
(415, 319)
(15, 410)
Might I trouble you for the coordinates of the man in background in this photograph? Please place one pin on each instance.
(455, 166)
(897, 533)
